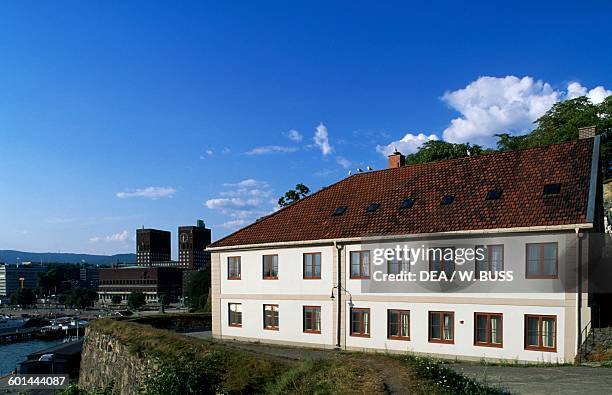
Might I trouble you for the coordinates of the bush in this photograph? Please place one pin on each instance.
(188, 375)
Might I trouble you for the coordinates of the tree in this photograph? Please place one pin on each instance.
(293, 195)
(198, 288)
(23, 297)
(136, 300)
(434, 150)
(81, 298)
(116, 299)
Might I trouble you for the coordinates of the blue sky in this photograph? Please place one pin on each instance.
(115, 115)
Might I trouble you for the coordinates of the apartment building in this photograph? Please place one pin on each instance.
(307, 275)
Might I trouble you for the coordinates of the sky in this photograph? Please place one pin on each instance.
(120, 114)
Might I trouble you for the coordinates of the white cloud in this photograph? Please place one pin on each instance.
(492, 105)
(294, 135)
(59, 220)
(321, 139)
(208, 152)
(243, 202)
(117, 237)
(342, 161)
(148, 192)
(407, 145)
(270, 149)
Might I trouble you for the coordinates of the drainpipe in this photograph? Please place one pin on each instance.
(579, 290)
(339, 285)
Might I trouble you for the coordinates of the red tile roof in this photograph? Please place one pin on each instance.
(520, 174)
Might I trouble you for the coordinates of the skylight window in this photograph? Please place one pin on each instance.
(552, 189)
(372, 207)
(448, 199)
(407, 203)
(494, 194)
(340, 210)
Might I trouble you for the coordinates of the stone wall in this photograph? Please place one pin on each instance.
(106, 362)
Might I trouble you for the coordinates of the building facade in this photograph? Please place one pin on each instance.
(153, 282)
(309, 274)
(152, 245)
(13, 277)
(192, 242)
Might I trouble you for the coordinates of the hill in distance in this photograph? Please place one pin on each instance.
(10, 256)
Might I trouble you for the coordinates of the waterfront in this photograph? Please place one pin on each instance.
(12, 354)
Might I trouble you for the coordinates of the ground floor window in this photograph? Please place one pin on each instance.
(441, 327)
(271, 316)
(235, 314)
(312, 319)
(360, 322)
(488, 329)
(541, 332)
(398, 324)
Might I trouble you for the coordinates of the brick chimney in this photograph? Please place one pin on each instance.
(396, 159)
(586, 132)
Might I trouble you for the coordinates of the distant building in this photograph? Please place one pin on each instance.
(152, 245)
(13, 277)
(192, 246)
(88, 277)
(153, 282)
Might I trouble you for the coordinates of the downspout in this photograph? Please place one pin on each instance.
(579, 288)
(339, 285)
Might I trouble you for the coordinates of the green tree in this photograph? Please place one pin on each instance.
(136, 300)
(198, 288)
(434, 150)
(81, 298)
(23, 297)
(116, 299)
(293, 195)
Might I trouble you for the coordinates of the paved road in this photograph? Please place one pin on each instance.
(542, 380)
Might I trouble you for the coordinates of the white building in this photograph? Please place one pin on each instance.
(531, 213)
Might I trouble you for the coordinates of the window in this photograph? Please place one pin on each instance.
(396, 266)
(448, 199)
(312, 265)
(398, 324)
(441, 260)
(360, 322)
(494, 194)
(360, 264)
(233, 268)
(493, 259)
(271, 317)
(340, 210)
(312, 319)
(372, 207)
(542, 260)
(234, 314)
(407, 203)
(270, 267)
(552, 189)
(488, 329)
(441, 327)
(541, 332)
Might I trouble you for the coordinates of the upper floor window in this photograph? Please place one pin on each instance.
(271, 316)
(488, 329)
(441, 259)
(234, 314)
(360, 322)
(541, 332)
(542, 260)
(398, 324)
(396, 266)
(360, 264)
(270, 267)
(312, 265)
(233, 268)
(441, 327)
(312, 319)
(492, 258)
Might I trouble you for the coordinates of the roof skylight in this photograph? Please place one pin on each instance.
(407, 203)
(372, 207)
(494, 194)
(340, 210)
(552, 189)
(448, 199)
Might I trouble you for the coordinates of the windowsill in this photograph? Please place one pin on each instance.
(236, 325)
(440, 341)
(494, 345)
(402, 338)
(541, 349)
(360, 335)
(234, 278)
(360, 278)
(311, 278)
(271, 329)
(313, 332)
(270, 278)
(541, 277)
